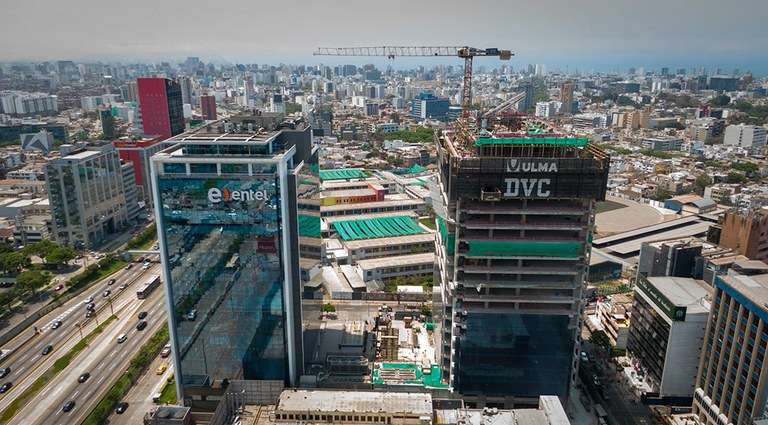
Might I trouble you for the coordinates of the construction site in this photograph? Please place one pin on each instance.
(515, 218)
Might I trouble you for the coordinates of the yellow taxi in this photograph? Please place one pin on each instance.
(161, 369)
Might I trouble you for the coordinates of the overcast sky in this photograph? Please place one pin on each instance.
(566, 34)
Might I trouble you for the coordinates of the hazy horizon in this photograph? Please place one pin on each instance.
(587, 35)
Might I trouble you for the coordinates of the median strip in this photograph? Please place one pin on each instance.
(60, 364)
(138, 365)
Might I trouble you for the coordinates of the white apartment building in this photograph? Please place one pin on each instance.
(747, 136)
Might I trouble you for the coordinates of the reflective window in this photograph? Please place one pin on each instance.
(521, 354)
(223, 242)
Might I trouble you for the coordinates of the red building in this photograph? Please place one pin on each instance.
(162, 112)
(208, 103)
(138, 152)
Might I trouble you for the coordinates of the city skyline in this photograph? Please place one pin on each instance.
(560, 34)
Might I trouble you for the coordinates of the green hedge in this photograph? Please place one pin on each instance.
(137, 367)
(144, 239)
(94, 272)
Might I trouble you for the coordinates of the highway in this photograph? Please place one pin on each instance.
(23, 354)
(140, 397)
(105, 360)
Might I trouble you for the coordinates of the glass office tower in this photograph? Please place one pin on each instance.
(227, 221)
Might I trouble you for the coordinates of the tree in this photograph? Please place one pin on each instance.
(600, 339)
(395, 117)
(8, 297)
(702, 182)
(32, 280)
(736, 178)
(429, 210)
(396, 161)
(41, 249)
(6, 246)
(292, 107)
(663, 194)
(329, 308)
(13, 262)
(721, 100)
(61, 256)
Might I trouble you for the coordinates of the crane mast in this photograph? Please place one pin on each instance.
(391, 52)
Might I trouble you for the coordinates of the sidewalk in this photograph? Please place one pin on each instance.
(577, 412)
(44, 298)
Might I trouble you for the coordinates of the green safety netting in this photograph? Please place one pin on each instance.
(526, 248)
(554, 141)
(343, 174)
(309, 225)
(448, 239)
(377, 228)
(416, 169)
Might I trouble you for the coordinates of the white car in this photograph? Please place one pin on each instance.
(89, 299)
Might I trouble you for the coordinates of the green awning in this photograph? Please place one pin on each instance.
(554, 141)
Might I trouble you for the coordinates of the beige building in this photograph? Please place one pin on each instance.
(353, 407)
(614, 317)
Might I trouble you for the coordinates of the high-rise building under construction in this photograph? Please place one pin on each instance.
(515, 217)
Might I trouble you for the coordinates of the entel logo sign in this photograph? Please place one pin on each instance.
(216, 195)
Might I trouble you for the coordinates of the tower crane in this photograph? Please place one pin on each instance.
(465, 52)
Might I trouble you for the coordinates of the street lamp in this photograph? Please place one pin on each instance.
(111, 309)
(79, 328)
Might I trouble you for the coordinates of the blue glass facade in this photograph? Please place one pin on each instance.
(428, 106)
(522, 354)
(226, 207)
(226, 279)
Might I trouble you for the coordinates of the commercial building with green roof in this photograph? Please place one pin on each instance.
(343, 174)
(377, 228)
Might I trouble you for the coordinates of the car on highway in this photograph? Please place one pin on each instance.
(192, 315)
(47, 350)
(4, 372)
(111, 281)
(128, 266)
(166, 351)
(90, 306)
(122, 286)
(89, 299)
(89, 313)
(58, 287)
(161, 369)
(56, 324)
(121, 407)
(121, 338)
(5, 387)
(141, 325)
(68, 406)
(584, 356)
(84, 377)
(106, 293)
(142, 315)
